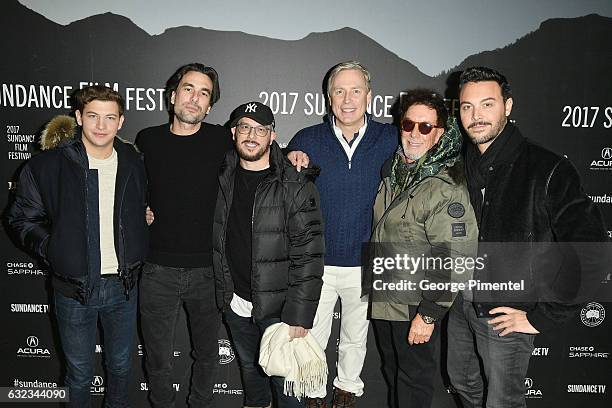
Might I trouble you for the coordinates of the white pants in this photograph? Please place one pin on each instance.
(343, 282)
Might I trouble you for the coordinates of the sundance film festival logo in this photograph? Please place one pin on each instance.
(530, 391)
(23, 268)
(605, 163)
(32, 349)
(226, 353)
(97, 385)
(593, 314)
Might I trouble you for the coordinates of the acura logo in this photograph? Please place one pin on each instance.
(606, 153)
(32, 341)
(97, 381)
(528, 383)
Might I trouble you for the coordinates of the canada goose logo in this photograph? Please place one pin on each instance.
(250, 108)
(592, 314)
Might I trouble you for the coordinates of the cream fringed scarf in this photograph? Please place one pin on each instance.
(300, 361)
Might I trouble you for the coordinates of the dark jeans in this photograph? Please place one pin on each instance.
(246, 336)
(408, 370)
(471, 341)
(163, 291)
(77, 327)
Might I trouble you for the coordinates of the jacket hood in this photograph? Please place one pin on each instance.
(60, 129)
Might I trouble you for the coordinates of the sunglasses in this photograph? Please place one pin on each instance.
(424, 127)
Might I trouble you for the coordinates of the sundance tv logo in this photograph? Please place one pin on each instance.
(32, 349)
(540, 351)
(23, 269)
(605, 163)
(593, 314)
(144, 386)
(226, 353)
(530, 391)
(29, 308)
(586, 388)
(97, 385)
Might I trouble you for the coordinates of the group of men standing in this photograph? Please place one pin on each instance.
(237, 231)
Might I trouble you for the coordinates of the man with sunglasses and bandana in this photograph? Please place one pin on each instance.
(350, 148)
(422, 210)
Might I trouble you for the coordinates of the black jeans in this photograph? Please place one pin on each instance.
(246, 337)
(163, 291)
(408, 370)
(471, 340)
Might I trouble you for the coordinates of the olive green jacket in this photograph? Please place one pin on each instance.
(434, 221)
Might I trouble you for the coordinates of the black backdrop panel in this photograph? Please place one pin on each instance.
(560, 76)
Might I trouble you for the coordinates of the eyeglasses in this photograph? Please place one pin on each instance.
(245, 129)
(424, 127)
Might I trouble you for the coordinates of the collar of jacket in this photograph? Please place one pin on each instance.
(329, 118)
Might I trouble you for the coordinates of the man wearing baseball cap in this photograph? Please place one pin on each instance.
(268, 246)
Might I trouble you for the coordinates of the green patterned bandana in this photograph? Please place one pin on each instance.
(444, 154)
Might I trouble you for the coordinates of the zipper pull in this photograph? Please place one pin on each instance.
(349, 163)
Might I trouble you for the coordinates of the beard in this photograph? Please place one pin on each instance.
(252, 156)
(413, 156)
(496, 129)
(187, 117)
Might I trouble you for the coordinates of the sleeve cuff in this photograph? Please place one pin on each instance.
(431, 309)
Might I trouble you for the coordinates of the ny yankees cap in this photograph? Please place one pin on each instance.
(257, 111)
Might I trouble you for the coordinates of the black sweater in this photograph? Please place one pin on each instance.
(183, 185)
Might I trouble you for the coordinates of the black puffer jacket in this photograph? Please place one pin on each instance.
(287, 242)
(55, 214)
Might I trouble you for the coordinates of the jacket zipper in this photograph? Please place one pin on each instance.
(86, 295)
(122, 267)
(266, 181)
(349, 160)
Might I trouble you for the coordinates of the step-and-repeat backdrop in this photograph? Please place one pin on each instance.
(559, 73)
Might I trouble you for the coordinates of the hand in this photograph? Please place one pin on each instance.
(149, 216)
(299, 159)
(297, 332)
(420, 332)
(512, 320)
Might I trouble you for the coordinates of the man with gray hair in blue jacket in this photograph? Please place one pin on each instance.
(350, 149)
